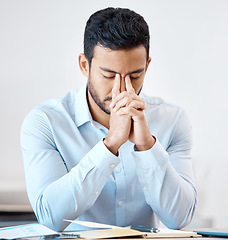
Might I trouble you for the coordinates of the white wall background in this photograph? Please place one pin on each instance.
(39, 45)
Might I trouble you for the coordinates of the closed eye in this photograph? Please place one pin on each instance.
(134, 78)
(112, 77)
(108, 77)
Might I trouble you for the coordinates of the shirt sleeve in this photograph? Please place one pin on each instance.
(47, 177)
(167, 178)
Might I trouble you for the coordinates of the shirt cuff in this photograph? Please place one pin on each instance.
(151, 158)
(103, 159)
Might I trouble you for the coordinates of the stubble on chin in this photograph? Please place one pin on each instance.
(101, 104)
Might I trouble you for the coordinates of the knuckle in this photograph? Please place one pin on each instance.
(127, 99)
(117, 105)
(128, 109)
(132, 104)
(122, 95)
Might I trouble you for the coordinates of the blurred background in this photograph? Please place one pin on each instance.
(40, 41)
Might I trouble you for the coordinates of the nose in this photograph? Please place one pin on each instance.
(122, 84)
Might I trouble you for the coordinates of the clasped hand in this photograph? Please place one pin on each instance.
(127, 119)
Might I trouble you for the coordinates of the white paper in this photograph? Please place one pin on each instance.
(28, 230)
(92, 224)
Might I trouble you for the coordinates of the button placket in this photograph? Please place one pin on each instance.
(113, 166)
(120, 192)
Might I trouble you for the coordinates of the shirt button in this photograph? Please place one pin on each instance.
(118, 170)
(96, 193)
(136, 158)
(144, 188)
(120, 203)
(113, 166)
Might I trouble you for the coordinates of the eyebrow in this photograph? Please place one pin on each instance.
(111, 71)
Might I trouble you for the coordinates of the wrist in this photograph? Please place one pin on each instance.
(111, 145)
(148, 144)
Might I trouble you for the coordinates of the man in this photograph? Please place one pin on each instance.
(103, 153)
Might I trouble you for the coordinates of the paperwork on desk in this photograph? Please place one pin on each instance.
(28, 230)
(105, 231)
(110, 231)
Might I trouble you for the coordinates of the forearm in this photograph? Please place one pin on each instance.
(69, 196)
(170, 194)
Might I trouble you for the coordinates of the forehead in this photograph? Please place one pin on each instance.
(120, 60)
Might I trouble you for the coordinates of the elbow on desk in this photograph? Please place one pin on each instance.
(179, 222)
(175, 223)
(48, 218)
(57, 226)
(181, 215)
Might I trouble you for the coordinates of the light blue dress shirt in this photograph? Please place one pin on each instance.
(70, 174)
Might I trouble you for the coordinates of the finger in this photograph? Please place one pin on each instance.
(122, 103)
(128, 84)
(129, 98)
(116, 88)
(138, 105)
(132, 112)
(128, 101)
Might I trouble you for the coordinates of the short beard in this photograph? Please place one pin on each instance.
(96, 99)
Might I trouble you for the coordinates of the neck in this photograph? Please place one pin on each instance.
(98, 115)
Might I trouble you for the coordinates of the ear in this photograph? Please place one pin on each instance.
(83, 64)
(148, 62)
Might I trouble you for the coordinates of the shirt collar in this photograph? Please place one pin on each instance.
(82, 113)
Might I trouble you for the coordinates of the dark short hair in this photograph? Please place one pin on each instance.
(115, 28)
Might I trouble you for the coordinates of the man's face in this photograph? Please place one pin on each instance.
(106, 64)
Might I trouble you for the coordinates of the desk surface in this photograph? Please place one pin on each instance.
(130, 238)
(135, 238)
